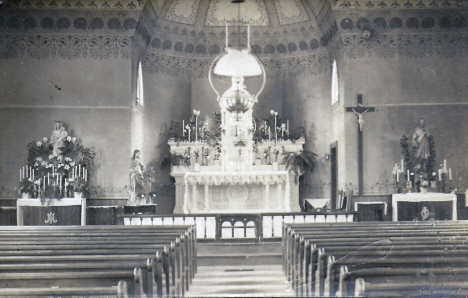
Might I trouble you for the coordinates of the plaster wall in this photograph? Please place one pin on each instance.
(307, 102)
(404, 90)
(167, 99)
(92, 99)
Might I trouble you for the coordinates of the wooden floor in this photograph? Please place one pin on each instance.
(241, 270)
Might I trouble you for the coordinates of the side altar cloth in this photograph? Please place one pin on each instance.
(424, 206)
(66, 211)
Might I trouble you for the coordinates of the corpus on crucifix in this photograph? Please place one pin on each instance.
(360, 110)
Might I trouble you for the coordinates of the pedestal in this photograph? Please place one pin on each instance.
(37, 212)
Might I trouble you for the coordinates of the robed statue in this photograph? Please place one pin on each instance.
(57, 139)
(420, 142)
(140, 180)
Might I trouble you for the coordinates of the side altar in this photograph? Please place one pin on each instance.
(239, 164)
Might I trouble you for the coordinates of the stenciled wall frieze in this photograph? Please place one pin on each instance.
(398, 4)
(65, 46)
(176, 66)
(404, 45)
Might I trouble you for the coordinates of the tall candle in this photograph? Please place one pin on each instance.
(397, 176)
(196, 128)
(79, 170)
(440, 174)
(33, 174)
(269, 134)
(402, 165)
(407, 174)
(287, 126)
(20, 175)
(86, 175)
(450, 173)
(248, 36)
(48, 179)
(53, 169)
(183, 127)
(445, 165)
(227, 38)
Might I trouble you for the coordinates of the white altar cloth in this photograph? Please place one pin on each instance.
(423, 197)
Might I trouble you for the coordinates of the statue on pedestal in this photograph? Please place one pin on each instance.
(58, 137)
(140, 181)
(421, 143)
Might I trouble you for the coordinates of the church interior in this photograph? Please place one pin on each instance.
(208, 148)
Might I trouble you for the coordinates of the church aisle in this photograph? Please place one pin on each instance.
(241, 270)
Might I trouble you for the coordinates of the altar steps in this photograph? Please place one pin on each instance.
(241, 270)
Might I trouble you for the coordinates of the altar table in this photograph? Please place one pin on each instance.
(407, 207)
(37, 212)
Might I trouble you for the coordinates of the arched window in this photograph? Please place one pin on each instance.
(334, 88)
(140, 94)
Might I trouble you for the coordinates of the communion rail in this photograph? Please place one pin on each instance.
(239, 227)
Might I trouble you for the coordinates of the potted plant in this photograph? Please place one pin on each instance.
(79, 185)
(26, 188)
(300, 162)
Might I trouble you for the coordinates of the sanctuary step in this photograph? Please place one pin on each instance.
(234, 269)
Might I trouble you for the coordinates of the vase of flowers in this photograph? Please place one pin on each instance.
(424, 185)
(26, 188)
(79, 186)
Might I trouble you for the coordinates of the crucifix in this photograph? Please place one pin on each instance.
(360, 110)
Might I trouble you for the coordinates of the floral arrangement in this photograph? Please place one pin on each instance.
(26, 186)
(41, 158)
(78, 184)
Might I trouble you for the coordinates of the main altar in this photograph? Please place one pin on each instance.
(238, 164)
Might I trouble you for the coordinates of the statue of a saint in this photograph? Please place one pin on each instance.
(57, 138)
(140, 180)
(421, 142)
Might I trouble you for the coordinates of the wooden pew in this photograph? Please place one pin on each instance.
(73, 238)
(304, 266)
(119, 291)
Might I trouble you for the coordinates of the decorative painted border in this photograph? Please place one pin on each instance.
(65, 46)
(175, 66)
(190, 20)
(397, 4)
(212, 21)
(77, 4)
(405, 45)
(283, 19)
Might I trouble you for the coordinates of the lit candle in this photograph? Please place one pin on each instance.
(248, 36)
(407, 175)
(196, 128)
(227, 34)
(450, 173)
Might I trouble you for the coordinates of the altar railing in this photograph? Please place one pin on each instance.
(239, 227)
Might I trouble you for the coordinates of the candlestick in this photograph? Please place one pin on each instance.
(450, 173)
(196, 128)
(227, 38)
(248, 36)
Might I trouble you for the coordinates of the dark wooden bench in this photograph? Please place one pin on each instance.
(101, 249)
(312, 253)
(119, 291)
